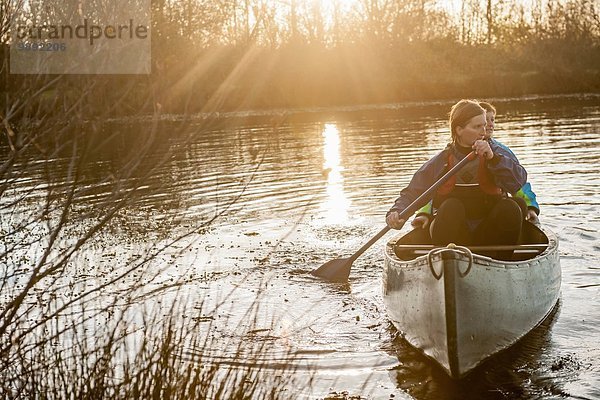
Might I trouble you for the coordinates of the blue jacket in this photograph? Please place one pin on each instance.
(508, 174)
(526, 193)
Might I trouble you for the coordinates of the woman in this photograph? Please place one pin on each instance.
(472, 206)
(526, 192)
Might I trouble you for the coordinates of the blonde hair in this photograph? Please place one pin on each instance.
(487, 107)
(461, 113)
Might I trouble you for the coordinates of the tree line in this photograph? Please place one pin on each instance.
(277, 23)
(238, 54)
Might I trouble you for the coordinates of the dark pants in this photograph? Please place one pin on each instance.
(501, 226)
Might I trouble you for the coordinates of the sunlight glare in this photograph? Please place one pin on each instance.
(336, 204)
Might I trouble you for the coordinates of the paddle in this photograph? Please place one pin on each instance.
(338, 270)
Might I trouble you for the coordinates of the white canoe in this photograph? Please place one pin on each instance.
(459, 307)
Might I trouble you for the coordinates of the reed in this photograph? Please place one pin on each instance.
(163, 358)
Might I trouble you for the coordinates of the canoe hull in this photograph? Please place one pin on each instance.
(459, 316)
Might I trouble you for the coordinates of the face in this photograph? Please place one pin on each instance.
(490, 118)
(472, 131)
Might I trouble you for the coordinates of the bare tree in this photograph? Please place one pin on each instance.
(490, 21)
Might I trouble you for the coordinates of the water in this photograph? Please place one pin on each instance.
(291, 190)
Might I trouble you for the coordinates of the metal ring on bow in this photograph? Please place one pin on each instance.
(452, 248)
(430, 262)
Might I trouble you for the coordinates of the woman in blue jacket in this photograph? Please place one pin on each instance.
(526, 192)
(473, 207)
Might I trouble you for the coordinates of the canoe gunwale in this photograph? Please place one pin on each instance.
(478, 259)
(541, 234)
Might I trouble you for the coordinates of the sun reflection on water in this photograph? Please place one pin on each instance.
(335, 205)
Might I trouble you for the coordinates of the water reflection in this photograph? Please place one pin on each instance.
(335, 205)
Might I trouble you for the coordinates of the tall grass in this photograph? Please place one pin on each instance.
(162, 358)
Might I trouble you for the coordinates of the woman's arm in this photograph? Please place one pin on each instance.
(508, 173)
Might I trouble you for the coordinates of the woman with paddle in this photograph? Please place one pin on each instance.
(469, 192)
(472, 206)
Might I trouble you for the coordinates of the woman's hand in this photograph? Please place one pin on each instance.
(420, 221)
(482, 148)
(532, 217)
(394, 221)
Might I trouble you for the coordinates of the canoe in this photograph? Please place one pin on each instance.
(460, 306)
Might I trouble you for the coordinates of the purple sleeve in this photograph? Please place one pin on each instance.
(508, 173)
(422, 180)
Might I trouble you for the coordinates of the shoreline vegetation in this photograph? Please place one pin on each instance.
(249, 55)
(94, 305)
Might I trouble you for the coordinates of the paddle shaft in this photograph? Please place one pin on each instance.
(416, 204)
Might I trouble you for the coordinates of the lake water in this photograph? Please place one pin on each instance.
(293, 189)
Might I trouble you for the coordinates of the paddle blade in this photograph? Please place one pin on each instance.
(336, 270)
